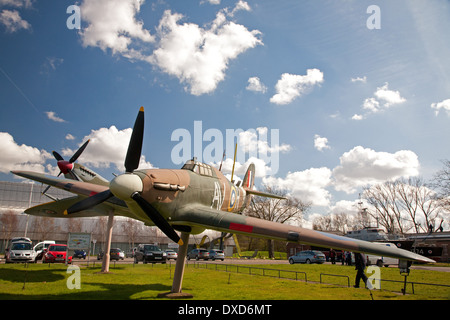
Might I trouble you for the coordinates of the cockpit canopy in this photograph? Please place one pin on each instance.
(199, 168)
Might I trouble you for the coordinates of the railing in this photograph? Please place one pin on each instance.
(335, 275)
(266, 272)
(292, 275)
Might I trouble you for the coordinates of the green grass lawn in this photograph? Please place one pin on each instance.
(125, 281)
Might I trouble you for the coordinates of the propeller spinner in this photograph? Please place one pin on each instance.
(65, 166)
(128, 186)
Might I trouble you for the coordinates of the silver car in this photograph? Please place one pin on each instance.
(20, 251)
(307, 256)
(198, 254)
(216, 254)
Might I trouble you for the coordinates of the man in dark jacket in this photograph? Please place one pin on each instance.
(360, 263)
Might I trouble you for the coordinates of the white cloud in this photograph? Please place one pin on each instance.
(215, 2)
(444, 105)
(241, 5)
(107, 146)
(362, 166)
(256, 141)
(12, 21)
(359, 79)
(70, 137)
(371, 104)
(357, 117)
(16, 3)
(389, 97)
(291, 86)
(254, 147)
(20, 157)
(112, 25)
(320, 143)
(255, 84)
(308, 185)
(382, 99)
(52, 116)
(199, 56)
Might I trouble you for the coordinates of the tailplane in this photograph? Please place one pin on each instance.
(248, 183)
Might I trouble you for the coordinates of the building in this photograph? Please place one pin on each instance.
(16, 197)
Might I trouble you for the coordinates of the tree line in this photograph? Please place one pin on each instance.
(400, 206)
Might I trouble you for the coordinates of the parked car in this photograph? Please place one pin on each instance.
(56, 253)
(198, 254)
(116, 254)
(171, 254)
(41, 248)
(80, 254)
(216, 254)
(20, 251)
(149, 253)
(307, 256)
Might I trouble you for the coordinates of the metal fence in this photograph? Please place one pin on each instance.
(294, 275)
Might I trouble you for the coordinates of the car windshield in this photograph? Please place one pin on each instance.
(21, 246)
(151, 248)
(57, 248)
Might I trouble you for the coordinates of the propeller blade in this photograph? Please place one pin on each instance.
(89, 202)
(57, 156)
(135, 145)
(157, 218)
(79, 152)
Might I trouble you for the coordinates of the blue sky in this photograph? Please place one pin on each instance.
(357, 94)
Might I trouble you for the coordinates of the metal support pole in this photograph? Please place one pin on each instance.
(179, 267)
(105, 264)
(179, 272)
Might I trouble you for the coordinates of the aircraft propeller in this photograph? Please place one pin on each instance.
(128, 186)
(65, 166)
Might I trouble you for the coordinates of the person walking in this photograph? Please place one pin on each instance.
(333, 256)
(360, 265)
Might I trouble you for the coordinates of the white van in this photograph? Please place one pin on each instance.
(40, 247)
(382, 261)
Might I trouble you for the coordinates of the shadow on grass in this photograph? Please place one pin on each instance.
(20, 275)
(104, 292)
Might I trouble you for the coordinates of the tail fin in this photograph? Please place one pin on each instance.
(249, 181)
(249, 178)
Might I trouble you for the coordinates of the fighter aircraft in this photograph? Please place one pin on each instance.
(75, 171)
(188, 200)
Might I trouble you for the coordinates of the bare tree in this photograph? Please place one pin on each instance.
(340, 222)
(132, 229)
(419, 202)
(380, 197)
(44, 227)
(74, 225)
(277, 210)
(402, 205)
(9, 222)
(441, 183)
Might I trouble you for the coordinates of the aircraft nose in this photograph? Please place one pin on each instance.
(125, 185)
(65, 166)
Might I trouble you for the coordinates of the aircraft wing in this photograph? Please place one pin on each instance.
(55, 209)
(82, 189)
(230, 222)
